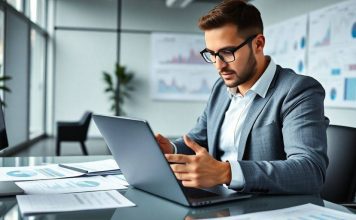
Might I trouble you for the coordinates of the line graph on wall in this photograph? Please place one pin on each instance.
(178, 70)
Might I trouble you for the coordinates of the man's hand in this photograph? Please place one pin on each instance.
(200, 170)
(164, 144)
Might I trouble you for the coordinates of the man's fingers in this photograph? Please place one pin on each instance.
(192, 144)
(182, 176)
(178, 158)
(189, 183)
(181, 168)
(160, 138)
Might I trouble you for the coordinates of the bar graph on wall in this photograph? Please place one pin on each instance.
(332, 52)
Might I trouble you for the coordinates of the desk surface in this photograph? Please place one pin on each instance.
(151, 207)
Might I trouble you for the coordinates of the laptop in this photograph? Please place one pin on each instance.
(134, 147)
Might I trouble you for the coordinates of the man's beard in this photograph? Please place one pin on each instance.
(246, 74)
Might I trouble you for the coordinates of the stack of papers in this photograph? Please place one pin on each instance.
(32, 204)
(56, 171)
(52, 171)
(68, 187)
(119, 179)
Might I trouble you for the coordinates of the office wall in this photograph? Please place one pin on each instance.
(81, 56)
(274, 11)
(17, 66)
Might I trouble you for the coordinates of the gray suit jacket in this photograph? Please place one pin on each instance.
(282, 147)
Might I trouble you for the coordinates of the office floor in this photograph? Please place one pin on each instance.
(46, 147)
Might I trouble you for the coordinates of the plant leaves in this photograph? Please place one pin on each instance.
(3, 78)
(5, 88)
(108, 79)
(109, 90)
(118, 88)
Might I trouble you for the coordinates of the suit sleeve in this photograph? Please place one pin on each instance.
(304, 139)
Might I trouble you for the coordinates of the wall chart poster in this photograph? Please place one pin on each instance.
(286, 43)
(321, 44)
(178, 70)
(332, 52)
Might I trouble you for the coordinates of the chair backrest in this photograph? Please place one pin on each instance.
(340, 183)
(85, 122)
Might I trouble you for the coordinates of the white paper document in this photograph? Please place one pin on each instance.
(69, 185)
(52, 171)
(302, 212)
(31, 204)
(119, 179)
(93, 166)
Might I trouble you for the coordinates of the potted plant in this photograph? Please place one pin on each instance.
(119, 89)
(3, 87)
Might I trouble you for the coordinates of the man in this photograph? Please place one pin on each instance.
(263, 129)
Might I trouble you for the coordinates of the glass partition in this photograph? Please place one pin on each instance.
(18, 4)
(35, 10)
(37, 84)
(1, 51)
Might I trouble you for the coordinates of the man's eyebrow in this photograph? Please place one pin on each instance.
(223, 48)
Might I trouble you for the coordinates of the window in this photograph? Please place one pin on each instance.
(35, 9)
(1, 50)
(37, 84)
(18, 4)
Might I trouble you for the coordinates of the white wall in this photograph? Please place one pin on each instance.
(274, 11)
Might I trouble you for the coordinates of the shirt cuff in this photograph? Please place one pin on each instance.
(174, 147)
(237, 177)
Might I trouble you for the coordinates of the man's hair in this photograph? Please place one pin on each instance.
(245, 16)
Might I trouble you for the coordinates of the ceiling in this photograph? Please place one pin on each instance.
(185, 3)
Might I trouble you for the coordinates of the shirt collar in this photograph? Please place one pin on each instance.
(262, 84)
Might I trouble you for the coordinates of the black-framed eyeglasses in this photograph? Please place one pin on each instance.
(227, 55)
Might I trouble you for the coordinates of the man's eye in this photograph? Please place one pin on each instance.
(224, 52)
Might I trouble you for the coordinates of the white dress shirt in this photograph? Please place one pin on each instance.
(235, 116)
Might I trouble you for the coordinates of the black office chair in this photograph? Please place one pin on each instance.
(74, 131)
(340, 184)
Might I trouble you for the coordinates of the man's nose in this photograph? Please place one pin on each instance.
(219, 64)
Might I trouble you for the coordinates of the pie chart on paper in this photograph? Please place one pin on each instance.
(21, 173)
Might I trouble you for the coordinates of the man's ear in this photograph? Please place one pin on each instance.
(260, 43)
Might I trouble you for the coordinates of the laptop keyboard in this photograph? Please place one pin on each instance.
(198, 193)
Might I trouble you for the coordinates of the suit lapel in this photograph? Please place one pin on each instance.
(255, 110)
(216, 124)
